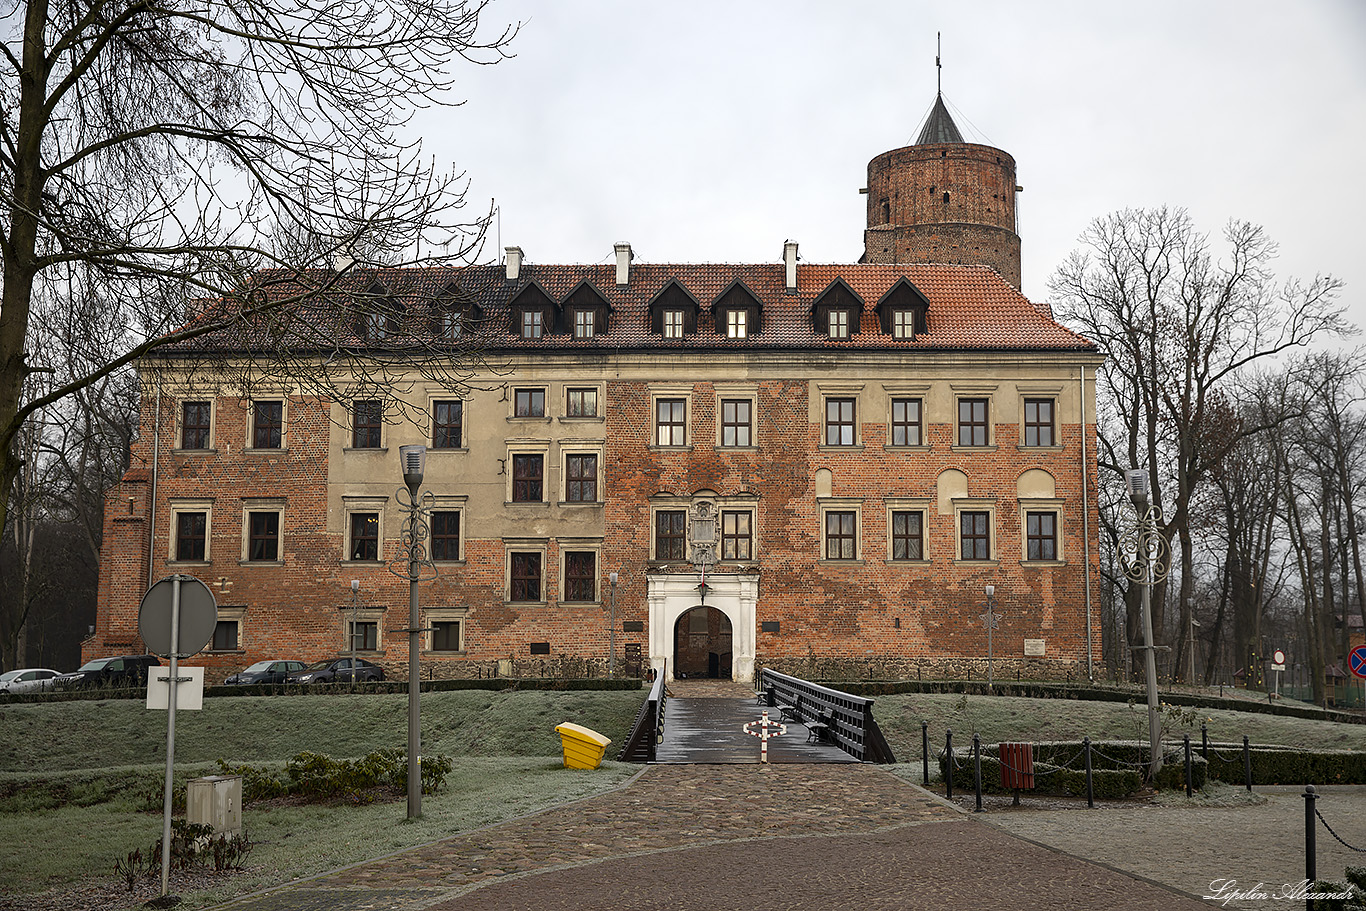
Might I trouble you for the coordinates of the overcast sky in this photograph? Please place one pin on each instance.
(709, 131)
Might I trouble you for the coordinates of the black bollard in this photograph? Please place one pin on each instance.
(1090, 792)
(1204, 741)
(925, 751)
(1310, 873)
(977, 768)
(1187, 739)
(1247, 763)
(948, 764)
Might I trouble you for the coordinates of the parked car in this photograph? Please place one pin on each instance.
(338, 670)
(269, 671)
(125, 670)
(27, 680)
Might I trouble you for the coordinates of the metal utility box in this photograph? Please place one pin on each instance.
(216, 800)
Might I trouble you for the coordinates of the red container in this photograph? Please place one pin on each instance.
(1017, 765)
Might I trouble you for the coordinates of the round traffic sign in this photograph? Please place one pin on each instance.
(198, 616)
(1357, 661)
(1278, 657)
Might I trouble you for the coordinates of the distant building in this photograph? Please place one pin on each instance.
(813, 467)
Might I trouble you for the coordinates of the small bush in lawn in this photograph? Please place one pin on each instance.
(131, 867)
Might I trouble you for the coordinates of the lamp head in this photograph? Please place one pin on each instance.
(612, 577)
(413, 458)
(1136, 482)
(355, 585)
(991, 591)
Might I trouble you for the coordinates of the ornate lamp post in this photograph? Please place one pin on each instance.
(1151, 556)
(992, 620)
(420, 568)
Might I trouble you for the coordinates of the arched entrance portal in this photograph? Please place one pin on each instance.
(702, 644)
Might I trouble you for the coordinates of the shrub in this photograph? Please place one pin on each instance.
(1117, 770)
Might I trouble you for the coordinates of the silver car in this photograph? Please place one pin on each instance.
(27, 680)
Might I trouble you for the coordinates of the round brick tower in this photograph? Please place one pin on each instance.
(943, 200)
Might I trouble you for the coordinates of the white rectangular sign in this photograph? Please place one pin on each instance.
(1034, 648)
(189, 693)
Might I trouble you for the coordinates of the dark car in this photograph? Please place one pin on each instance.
(338, 670)
(269, 671)
(125, 670)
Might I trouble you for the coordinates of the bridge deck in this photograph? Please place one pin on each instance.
(707, 728)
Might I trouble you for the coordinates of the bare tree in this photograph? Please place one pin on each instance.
(152, 150)
(1180, 329)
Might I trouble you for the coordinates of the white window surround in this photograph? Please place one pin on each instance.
(1052, 391)
(435, 615)
(827, 505)
(565, 414)
(674, 391)
(263, 504)
(524, 546)
(530, 447)
(986, 505)
(738, 392)
(180, 505)
(180, 421)
(251, 422)
(922, 505)
(232, 614)
(577, 448)
(566, 546)
(366, 614)
(360, 504)
(446, 395)
(456, 504)
(1053, 505)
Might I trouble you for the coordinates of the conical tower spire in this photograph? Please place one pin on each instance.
(939, 126)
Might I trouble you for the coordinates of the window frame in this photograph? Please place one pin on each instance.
(837, 323)
(681, 537)
(893, 511)
(727, 398)
(737, 323)
(521, 461)
(678, 429)
(235, 615)
(975, 509)
(367, 415)
(223, 624)
(514, 578)
(585, 323)
(851, 425)
(206, 428)
(985, 424)
(366, 628)
(181, 507)
(262, 507)
(532, 323)
(903, 322)
(722, 536)
(1036, 425)
(531, 394)
(440, 427)
(566, 552)
(894, 425)
(571, 479)
(438, 615)
(673, 324)
(352, 539)
(846, 535)
(278, 427)
(582, 391)
(459, 536)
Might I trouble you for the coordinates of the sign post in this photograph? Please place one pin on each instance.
(176, 619)
(1278, 665)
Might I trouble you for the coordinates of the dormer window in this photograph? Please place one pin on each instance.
(533, 313)
(533, 323)
(672, 324)
(903, 311)
(454, 315)
(452, 324)
(737, 324)
(584, 324)
(836, 312)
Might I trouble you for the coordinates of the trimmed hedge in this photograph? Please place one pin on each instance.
(1287, 765)
(1117, 770)
(1087, 692)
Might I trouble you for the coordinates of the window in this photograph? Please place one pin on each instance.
(671, 534)
(446, 636)
(267, 424)
(735, 422)
(584, 324)
(906, 427)
(839, 422)
(581, 478)
(580, 576)
(526, 577)
(841, 535)
(364, 536)
(581, 403)
(224, 636)
(366, 420)
(529, 403)
(191, 536)
(839, 323)
(1038, 422)
(903, 324)
(908, 535)
(972, 422)
(737, 323)
(263, 536)
(975, 537)
(446, 535)
(1041, 536)
(672, 324)
(194, 425)
(528, 473)
(364, 635)
(737, 535)
(452, 323)
(533, 323)
(670, 429)
(447, 424)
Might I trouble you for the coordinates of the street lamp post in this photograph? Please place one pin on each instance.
(413, 459)
(1150, 563)
(992, 620)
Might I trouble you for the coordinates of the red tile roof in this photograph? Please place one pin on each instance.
(970, 307)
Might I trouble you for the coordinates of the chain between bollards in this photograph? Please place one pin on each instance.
(977, 768)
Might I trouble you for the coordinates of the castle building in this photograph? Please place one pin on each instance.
(701, 468)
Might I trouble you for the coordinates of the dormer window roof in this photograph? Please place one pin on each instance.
(454, 312)
(903, 312)
(737, 311)
(380, 316)
(673, 310)
(836, 311)
(586, 311)
(534, 313)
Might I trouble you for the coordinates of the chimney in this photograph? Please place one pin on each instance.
(624, 257)
(790, 266)
(514, 262)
